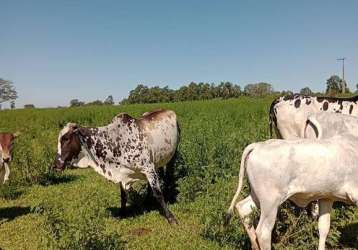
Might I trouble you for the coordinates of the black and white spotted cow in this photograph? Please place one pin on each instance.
(288, 114)
(125, 151)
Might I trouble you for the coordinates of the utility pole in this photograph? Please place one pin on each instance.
(344, 82)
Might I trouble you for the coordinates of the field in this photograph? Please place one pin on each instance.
(78, 209)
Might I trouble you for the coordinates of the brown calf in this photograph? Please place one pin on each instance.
(6, 144)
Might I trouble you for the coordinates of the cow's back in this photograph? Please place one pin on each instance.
(305, 166)
(161, 132)
(289, 114)
(332, 124)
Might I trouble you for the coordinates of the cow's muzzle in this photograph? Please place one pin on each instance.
(58, 164)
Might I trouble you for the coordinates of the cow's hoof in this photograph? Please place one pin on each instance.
(172, 221)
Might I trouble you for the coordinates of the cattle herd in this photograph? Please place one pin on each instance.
(314, 159)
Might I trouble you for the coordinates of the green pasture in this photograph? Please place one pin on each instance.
(78, 209)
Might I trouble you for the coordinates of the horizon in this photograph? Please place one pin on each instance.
(54, 52)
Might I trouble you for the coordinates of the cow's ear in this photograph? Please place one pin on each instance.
(83, 131)
(74, 128)
(16, 134)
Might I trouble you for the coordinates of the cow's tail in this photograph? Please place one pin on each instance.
(312, 119)
(244, 158)
(179, 131)
(272, 116)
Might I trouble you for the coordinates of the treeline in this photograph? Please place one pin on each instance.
(224, 90)
(78, 103)
(195, 91)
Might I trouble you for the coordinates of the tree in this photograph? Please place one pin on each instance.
(76, 103)
(335, 85)
(286, 92)
(29, 106)
(258, 89)
(109, 100)
(95, 103)
(306, 91)
(7, 91)
(190, 92)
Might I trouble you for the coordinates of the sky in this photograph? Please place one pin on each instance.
(55, 51)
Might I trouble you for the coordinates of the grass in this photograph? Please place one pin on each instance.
(78, 208)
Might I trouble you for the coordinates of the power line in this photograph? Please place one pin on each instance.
(344, 83)
(342, 59)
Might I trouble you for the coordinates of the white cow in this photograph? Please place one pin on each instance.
(6, 147)
(300, 170)
(288, 114)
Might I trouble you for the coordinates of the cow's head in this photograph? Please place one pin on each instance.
(68, 146)
(6, 145)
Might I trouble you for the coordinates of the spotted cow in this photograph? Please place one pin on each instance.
(6, 145)
(288, 114)
(125, 151)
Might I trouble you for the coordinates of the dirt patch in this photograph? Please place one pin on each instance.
(141, 231)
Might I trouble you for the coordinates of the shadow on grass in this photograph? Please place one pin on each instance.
(10, 213)
(53, 178)
(349, 237)
(139, 203)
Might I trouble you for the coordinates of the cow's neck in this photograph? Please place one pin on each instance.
(91, 139)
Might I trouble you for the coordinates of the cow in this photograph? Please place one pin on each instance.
(125, 151)
(6, 146)
(288, 114)
(302, 171)
(83, 161)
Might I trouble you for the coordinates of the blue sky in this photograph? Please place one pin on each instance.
(55, 51)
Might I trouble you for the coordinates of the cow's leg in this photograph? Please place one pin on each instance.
(245, 208)
(314, 209)
(153, 180)
(266, 224)
(324, 221)
(7, 172)
(123, 199)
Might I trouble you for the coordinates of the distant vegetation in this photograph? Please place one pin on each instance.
(7, 92)
(225, 90)
(29, 106)
(335, 86)
(78, 103)
(195, 91)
